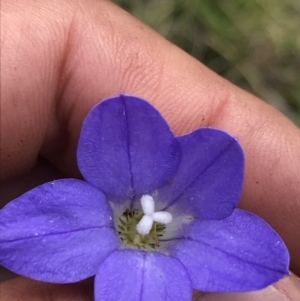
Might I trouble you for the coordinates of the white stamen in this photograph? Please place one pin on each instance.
(147, 203)
(162, 217)
(145, 224)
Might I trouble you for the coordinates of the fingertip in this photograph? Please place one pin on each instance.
(25, 289)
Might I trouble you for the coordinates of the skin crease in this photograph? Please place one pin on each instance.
(60, 57)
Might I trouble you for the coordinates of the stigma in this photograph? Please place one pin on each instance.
(145, 225)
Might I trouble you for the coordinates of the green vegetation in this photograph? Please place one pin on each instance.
(255, 44)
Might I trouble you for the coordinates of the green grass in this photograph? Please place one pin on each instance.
(255, 44)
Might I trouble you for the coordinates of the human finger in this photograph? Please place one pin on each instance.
(24, 289)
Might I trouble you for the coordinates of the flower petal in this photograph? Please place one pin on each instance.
(209, 180)
(142, 276)
(240, 253)
(126, 148)
(57, 232)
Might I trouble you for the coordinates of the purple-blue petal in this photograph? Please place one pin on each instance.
(57, 232)
(126, 148)
(239, 253)
(209, 180)
(130, 275)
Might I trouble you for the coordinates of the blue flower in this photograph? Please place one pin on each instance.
(155, 217)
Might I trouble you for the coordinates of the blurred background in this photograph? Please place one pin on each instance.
(254, 44)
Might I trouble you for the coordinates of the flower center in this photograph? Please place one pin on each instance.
(143, 228)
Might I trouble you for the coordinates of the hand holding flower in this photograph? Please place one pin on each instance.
(208, 105)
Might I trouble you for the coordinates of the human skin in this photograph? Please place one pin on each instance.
(60, 57)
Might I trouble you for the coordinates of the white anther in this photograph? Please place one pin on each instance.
(162, 217)
(147, 203)
(145, 224)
